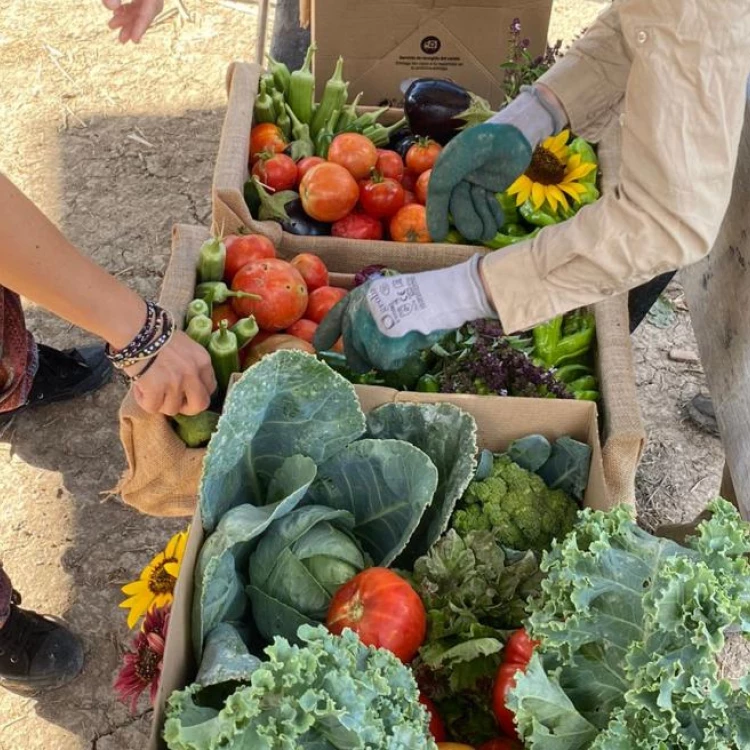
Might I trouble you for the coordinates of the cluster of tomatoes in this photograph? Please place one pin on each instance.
(364, 192)
(294, 296)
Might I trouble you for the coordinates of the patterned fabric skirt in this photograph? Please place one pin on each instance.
(18, 353)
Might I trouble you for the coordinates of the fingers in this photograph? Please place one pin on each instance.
(496, 210)
(479, 199)
(465, 217)
(149, 9)
(112, 4)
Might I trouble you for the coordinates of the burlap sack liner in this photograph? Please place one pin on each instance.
(162, 475)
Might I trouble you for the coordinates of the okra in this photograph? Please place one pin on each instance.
(245, 329)
(301, 134)
(368, 119)
(197, 307)
(196, 430)
(325, 136)
(348, 115)
(279, 104)
(302, 88)
(380, 134)
(216, 292)
(211, 260)
(334, 97)
(264, 110)
(225, 354)
(199, 329)
(280, 73)
(285, 124)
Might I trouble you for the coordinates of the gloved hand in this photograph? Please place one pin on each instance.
(487, 159)
(386, 321)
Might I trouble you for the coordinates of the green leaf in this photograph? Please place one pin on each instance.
(288, 404)
(226, 657)
(531, 452)
(567, 467)
(448, 436)
(386, 485)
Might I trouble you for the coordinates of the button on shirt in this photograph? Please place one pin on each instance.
(671, 75)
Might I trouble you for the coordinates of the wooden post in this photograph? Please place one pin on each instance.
(718, 294)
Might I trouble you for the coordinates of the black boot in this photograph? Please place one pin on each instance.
(66, 374)
(37, 653)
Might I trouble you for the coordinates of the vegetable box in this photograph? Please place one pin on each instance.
(499, 421)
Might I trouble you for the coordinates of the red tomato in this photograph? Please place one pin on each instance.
(501, 743)
(383, 610)
(409, 180)
(421, 186)
(505, 680)
(276, 171)
(339, 345)
(266, 137)
(221, 312)
(328, 192)
(437, 728)
(243, 249)
(356, 153)
(519, 648)
(281, 288)
(390, 164)
(312, 269)
(306, 164)
(357, 226)
(410, 224)
(381, 197)
(321, 301)
(409, 198)
(423, 155)
(303, 329)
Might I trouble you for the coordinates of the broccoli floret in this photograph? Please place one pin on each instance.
(517, 506)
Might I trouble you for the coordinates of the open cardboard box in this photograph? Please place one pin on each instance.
(499, 421)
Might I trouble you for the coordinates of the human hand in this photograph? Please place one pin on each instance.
(180, 381)
(132, 18)
(385, 322)
(487, 159)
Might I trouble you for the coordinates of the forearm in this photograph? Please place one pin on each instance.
(38, 263)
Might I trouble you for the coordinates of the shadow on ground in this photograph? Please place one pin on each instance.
(149, 173)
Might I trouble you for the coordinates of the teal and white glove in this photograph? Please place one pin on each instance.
(385, 322)
(487, 159)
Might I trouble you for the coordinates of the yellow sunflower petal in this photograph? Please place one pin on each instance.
(138, 609)
(573, 161)
(173, 568)
(573, 189)
(162, 600)
(554, 193)
(579, 173)
(181, 544)
(518, 185)
(551, 198)
(558, 145)
(131, 589)
(171, 548)
(537, 195)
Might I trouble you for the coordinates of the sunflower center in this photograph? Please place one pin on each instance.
(545, 168)
(147, 664)
(160, 581)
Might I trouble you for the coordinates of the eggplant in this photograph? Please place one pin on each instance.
(398, 136)
(402, 146)
(301, 224)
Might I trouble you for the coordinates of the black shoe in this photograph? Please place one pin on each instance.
(700, 409)
(37, 653)
(63, 375)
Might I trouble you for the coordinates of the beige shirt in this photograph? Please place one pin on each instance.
(675, 73)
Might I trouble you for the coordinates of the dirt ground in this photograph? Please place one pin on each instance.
(117, 144)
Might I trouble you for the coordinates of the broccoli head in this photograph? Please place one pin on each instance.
(517, 506)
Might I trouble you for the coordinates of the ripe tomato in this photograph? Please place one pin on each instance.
(306, 164)
(421, 187)
(355, 153)
(437, 728)
(409, 180)
(243, 249)
(520, 648)
(358, 226)
(409, 198)
(281, 288)
(501, 743)
(303, 329)
(383, 610)
(381, 197)
(312, 269)
(390, 164)
(266, 137)
(423, 155)
(328, 192)
(321, 301)
(410, 224)
(221, 312)
(276, 171)
(505, 680)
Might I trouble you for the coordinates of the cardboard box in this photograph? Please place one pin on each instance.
(386, 42)
(499, 421)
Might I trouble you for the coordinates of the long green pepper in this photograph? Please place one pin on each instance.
(302, 88)
(281, 75)
(225, 354)
(211, 260)
(335, 94)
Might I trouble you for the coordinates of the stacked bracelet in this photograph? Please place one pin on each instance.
(155, 334)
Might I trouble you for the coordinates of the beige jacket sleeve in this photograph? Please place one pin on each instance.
(683, 66)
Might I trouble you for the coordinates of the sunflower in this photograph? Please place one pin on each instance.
(552, 176)
(155, 587)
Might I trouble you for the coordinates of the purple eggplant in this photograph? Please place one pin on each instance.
(300, 223)
(432, 105)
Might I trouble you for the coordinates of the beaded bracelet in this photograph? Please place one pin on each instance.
(166, 331)
(133, 378)
(153, 315)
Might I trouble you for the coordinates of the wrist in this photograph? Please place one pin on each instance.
(128, 319)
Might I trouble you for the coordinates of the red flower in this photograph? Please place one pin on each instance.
(141, 668)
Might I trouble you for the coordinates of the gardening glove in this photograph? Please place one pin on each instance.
(388, 320)
(487, 159)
